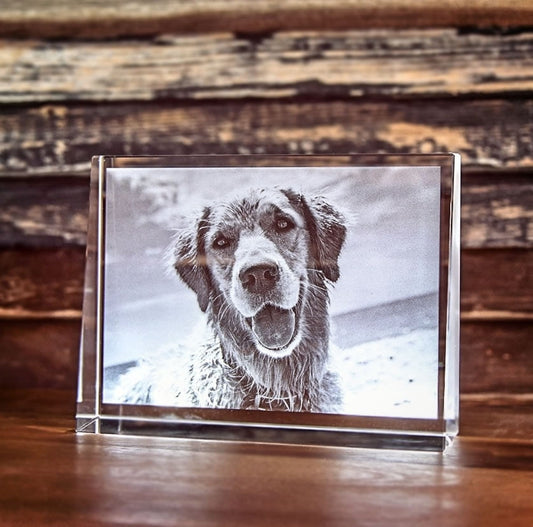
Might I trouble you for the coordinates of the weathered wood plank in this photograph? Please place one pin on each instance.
(495, 357)
(496, 415)
(496, 281)
(41, 282)
(498, 211)
(351, 64)
(52, 211)
(52, 138)
(39, 353)
(44, 211)
(99, 19)
(48, 283)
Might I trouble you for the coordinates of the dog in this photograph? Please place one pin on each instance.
(260, 266)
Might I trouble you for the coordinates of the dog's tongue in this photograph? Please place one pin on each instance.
(274, 327)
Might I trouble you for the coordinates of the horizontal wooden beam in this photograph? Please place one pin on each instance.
(351, 64)
(496, 281)
(476, 316)
(496, 415)
(497, 214)
(52, 211)
(24, 314)
(36, 281)
(39, 353)
(72, 314)
(47, 211)
(494, 356)
(40, 284)
(101, 19)
(62, 138)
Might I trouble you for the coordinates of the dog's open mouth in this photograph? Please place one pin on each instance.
(274, 327)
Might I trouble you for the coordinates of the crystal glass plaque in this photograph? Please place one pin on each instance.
(305, 299)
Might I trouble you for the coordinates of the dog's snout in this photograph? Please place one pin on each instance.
(259, 278)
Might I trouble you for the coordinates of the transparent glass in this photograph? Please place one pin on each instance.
(305, 299)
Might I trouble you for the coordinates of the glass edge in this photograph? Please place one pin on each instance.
(452, 386)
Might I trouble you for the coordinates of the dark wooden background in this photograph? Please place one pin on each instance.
(225, 76)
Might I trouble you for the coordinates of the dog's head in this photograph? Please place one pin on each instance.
(256, 258)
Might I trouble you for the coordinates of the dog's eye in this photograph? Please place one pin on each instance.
(220, 242)
(284, 224)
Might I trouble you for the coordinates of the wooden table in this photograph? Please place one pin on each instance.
(51, 476)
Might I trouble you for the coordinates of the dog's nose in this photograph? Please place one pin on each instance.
(259, 278)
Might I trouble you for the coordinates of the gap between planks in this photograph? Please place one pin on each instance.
(497, 398)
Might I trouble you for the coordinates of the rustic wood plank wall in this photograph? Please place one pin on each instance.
(264, 77)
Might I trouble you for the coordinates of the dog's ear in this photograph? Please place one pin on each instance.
(190, 261)
(327, 232)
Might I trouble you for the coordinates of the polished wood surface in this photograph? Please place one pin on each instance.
(51, 476)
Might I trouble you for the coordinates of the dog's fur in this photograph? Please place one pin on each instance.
(260, 266)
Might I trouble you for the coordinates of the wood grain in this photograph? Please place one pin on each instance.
(496, 415)
(497, 281)
(100, 19)
(351, 64)
(45, 211)
(493, 215)
(52, 211)
(494, 133)
(41, 282)
(39, 353)
(47, 283)
(54, 477)
(495, 356)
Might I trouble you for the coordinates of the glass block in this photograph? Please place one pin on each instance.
(302, 299)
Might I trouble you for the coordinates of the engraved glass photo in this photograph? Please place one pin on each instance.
(300, 289)
(273, 298)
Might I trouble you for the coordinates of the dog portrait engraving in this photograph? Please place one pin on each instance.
(261, 265)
